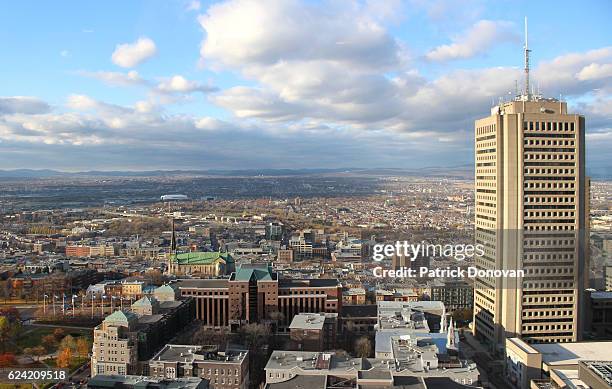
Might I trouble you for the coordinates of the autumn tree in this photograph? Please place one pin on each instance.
(59, 334)
(48, 342)
(255, 335)
(83, 346)
(207, 336)
(9, 329)
(64, 357)
(68, 342)
(462, 315)
(7, 359)
(363, 347)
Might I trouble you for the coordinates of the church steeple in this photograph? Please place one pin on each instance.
(173, 239)
(451, 342)
(172, 253)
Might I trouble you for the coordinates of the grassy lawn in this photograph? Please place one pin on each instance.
(32, 338)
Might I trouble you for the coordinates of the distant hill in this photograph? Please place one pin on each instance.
(463, 171)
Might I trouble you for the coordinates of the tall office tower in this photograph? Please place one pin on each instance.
(531, 213)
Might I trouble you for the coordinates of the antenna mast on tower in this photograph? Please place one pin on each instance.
(527, 94)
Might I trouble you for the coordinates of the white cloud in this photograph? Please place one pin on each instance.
(576, 73)
(307, 65)
(144, 106)
(264, 32)
(179, 84)
(131, 78)
(22, 104)
(128, 55)
(595, 71)
(477, 40)
(81, 102)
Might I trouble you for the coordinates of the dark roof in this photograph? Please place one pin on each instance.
(362, 310)
(408, 382)
(202, 283)
(316, 282)
(374, 374)
(443, 383)
(301, 382)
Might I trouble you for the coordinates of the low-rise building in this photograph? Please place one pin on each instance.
(354, 296)
(599, 315)
(302, 369)
(540, 364)
(227, 369)
(126, 339)
(314, 331)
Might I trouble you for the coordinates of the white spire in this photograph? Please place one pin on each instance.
(450, 336)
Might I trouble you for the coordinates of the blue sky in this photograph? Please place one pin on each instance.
(281, 84)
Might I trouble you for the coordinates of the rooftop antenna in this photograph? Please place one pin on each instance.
(516, 88)
(526, 62)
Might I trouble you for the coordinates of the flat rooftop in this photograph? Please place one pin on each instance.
(301, 382)
(141, 382)
(554, 354)
(202, 283)
(308, 321)
(602, 295)
(191, 353)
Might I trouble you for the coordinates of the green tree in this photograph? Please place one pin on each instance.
(9, 329)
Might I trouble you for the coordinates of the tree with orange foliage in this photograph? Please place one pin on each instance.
(64, 357)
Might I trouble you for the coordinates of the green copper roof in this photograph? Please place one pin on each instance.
(146, 301)
(247, 271)
(165, 289)
(119, 316)
(201, 258)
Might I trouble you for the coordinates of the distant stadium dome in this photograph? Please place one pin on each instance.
(174, 197)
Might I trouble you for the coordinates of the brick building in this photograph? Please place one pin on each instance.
(254, 293)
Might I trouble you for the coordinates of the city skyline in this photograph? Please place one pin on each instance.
(325, 84)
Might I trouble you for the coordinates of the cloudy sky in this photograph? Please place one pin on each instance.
(136, 85)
